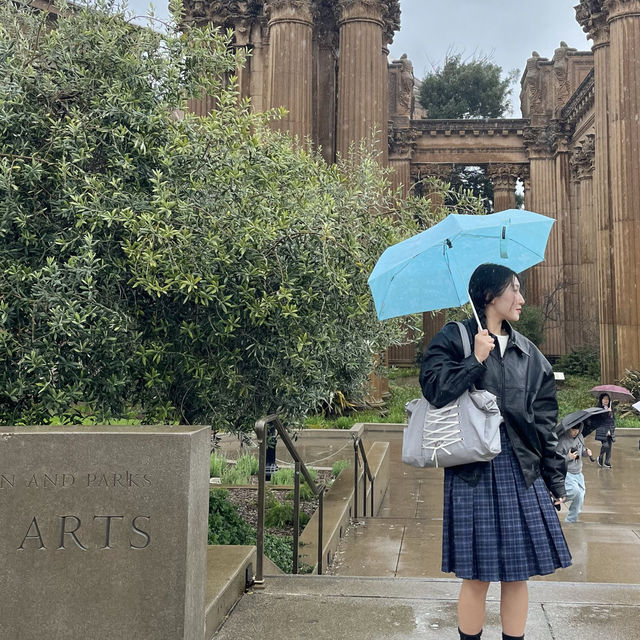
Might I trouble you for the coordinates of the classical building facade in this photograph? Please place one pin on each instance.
(576, 149)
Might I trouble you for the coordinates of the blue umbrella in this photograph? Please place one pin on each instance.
(431, 270)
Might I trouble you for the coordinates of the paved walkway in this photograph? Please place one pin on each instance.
(386, 584)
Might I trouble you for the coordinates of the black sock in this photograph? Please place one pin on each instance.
(506, 637)
(466, 636)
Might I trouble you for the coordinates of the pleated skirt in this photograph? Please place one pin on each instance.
(500, 530)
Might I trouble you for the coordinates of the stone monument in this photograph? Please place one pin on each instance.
(104, 532)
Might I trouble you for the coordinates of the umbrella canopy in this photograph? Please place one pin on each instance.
(431, 270)
(576, 418)
(614, 392)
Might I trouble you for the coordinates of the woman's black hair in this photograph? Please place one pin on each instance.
(602, 395)
(487, 282)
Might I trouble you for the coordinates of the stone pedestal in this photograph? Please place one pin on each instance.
(104, 532)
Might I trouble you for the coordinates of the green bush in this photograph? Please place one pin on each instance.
(582, 361)
(217, 465)
(234, 476)
(281, 515)
(248, 464)
(338, 466)
(279, 549)
(283, 476)
(204, 268)
(305, 492)
(225, 524)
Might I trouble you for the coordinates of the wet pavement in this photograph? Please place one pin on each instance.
(406, 537)
(385, 582)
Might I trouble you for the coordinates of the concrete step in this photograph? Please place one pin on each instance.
(301, 607)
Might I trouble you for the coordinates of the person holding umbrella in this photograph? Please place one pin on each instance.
(605, 424)
(499, 521)
(572, 447)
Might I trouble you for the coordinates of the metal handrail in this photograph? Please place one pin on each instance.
(359, 446)
(261, 429)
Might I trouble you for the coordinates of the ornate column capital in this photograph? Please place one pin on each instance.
(440, 171)
(402, 142)
(361, 11)
(592, 17)
(621, 9)
(288, 11)
(502, 172)
(220, 13)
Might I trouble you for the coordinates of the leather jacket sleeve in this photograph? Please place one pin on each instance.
(545, 410)
(445, 373)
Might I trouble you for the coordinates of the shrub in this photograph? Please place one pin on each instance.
(217, 465)
(234, 475)
(283, 476)
(338, 466)
(203, 268)
(225, 524)
(279, 549)
(281, 515)
(248, 464)
(582, 361)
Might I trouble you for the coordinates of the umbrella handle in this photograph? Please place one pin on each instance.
(475, 314)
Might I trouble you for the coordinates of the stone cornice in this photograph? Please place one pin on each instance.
(581, 101)
(497, 126)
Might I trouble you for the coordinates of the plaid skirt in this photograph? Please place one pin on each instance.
(500, 530)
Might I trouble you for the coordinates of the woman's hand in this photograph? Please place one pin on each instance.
(483, 345)
(557, 502)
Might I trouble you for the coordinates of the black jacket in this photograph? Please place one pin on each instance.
(604, 423)
(524, 385)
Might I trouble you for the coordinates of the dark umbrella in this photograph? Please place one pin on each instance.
(614, 392)
(578, 417)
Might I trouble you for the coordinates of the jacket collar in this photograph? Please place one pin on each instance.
(517, 339)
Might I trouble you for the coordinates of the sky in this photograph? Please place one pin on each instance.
(505, 31)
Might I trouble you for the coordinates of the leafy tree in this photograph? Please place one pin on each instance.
(460, 89)
(199, 269)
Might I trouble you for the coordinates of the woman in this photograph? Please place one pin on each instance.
(499, 519)
(605, 430)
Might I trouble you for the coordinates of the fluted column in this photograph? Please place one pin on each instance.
(624, 167)
(503, 177)
(290, 63)
(362, 87)
(545, 281)
(569, 310)
(571, 256)
(593, 21)
(587, 244)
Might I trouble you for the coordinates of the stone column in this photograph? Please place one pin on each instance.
(572, 265)
(593, 20)
(290, 69)
(587, 243)
(624, 167)
(362, 90)
(545, 280)
(503, 177)
(567, 249)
